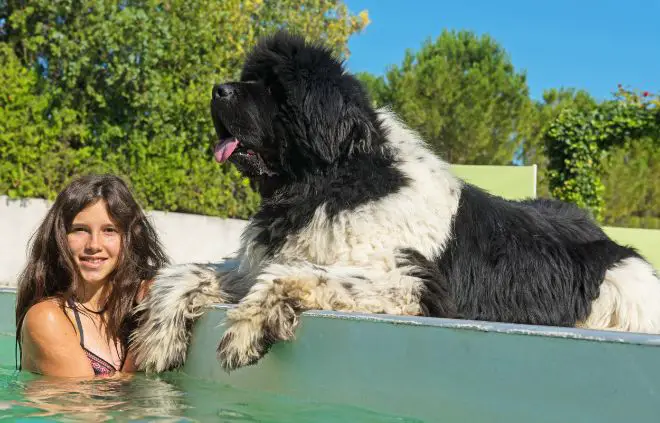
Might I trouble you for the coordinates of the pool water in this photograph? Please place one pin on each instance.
(172, 396)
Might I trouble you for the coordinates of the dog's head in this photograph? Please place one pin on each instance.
(294, 111)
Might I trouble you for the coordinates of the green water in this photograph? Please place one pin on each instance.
(172, 397)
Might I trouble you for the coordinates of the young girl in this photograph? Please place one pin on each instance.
(88, 266)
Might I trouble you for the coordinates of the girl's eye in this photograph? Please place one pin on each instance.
(111, 230)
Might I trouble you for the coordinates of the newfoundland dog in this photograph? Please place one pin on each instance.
(358, 215)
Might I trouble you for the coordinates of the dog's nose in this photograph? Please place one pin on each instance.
(223, 91)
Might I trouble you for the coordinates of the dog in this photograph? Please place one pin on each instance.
(359, 215)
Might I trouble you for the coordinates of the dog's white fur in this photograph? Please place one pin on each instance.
(629, 299)
(347, 263)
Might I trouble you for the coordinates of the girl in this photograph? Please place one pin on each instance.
(87, 268)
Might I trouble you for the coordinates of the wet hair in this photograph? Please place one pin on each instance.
(51, 272)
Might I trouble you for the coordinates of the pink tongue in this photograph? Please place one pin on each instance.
(224, 149)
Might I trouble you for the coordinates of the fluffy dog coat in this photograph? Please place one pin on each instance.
(359, 215)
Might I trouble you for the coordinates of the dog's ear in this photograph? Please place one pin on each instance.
(354, 132)
(327, 131)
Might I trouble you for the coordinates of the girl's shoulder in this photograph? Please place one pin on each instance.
(49, 342)
(45, 316)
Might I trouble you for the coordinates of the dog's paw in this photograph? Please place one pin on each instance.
(242, 344)
(252, 332)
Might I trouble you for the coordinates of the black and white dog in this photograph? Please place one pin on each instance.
(358, 215)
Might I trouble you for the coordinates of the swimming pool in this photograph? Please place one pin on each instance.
(368, 368)
(171, 396)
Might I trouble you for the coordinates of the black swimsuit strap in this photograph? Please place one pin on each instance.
(78, 322)
(82, 336)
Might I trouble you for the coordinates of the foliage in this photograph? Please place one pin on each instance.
(631, 177)
(462, 94)
(376, 87)
(34, 160)
(124, 86)
(544, 113)
(577, 141)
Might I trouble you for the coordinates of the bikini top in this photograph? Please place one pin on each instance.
(99, 365)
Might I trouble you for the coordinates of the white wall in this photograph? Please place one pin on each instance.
(186, 237)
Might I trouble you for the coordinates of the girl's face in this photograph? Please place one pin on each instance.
(95, 243)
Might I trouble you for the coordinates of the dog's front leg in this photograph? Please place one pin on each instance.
(177, 297)
(269, 312)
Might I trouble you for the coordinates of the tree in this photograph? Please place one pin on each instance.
(463, 95)
(376, 87)
(135, 78)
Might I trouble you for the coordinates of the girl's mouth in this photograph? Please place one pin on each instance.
(92, 262)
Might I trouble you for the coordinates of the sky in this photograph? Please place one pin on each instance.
(583, 44)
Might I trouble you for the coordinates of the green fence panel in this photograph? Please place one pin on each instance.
(646, 241)
(512, 182)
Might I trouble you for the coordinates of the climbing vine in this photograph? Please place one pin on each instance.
(576, 141)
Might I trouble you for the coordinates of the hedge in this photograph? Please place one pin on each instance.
(576, 142)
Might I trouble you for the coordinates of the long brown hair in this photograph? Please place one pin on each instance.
(51, 270)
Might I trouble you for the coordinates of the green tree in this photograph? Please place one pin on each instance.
(134, 79)
(376, 87)
(463, 95)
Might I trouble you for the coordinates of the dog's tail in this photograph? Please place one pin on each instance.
(165, 317)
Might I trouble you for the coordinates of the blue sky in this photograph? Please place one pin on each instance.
(586, 44)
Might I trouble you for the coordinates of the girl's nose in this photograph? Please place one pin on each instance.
(93, 242)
